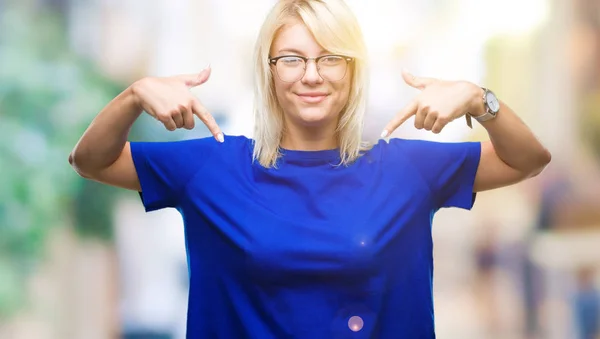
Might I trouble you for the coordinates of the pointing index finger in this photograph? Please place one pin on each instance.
(207, 119)
(404, 114)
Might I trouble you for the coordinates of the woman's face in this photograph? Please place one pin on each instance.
(310, 100)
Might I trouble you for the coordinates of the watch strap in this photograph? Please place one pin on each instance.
(481, 118)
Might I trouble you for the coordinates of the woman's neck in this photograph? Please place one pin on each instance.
(309, 138)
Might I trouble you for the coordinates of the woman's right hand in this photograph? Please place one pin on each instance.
(170, 101)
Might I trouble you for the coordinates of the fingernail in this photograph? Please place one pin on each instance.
(220, 137)
(207, 67)
(384, 133)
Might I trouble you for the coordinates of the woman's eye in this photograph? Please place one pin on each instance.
(291, 61)
(332, 60)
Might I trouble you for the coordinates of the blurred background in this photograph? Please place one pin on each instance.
(80, 260)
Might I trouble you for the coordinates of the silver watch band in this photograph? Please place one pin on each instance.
(488, 115)
(484, 117)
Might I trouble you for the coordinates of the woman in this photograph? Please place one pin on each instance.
(305, 232)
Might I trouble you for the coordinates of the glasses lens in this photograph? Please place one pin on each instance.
(290, 69)
(333, 67)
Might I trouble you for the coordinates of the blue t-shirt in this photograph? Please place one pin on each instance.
(308, 249)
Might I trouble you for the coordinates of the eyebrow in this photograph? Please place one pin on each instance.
(295, 51)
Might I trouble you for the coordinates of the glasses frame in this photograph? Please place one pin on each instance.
(273, 62)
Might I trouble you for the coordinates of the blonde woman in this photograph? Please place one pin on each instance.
(304, 231)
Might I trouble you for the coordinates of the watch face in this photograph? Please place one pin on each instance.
(492, 102)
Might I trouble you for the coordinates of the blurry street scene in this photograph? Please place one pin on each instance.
(81, 260)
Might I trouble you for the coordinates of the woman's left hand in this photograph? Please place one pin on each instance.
(439, 103)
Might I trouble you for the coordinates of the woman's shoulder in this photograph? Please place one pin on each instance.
(401, 144)
(416, 145)
(231, 142)
(426, 152)
(192, 149)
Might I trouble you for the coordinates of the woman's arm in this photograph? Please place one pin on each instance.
(103, 153)
(513, 152)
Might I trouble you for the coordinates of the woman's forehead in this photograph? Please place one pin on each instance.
(294, 37)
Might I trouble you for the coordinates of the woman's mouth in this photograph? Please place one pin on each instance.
(312, 97)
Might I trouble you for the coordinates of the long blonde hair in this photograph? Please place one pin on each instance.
(338, 33)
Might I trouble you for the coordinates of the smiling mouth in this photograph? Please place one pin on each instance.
(312, 98)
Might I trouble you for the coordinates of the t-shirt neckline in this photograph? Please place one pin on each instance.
(299, 155)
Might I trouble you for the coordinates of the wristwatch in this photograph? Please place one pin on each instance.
(491, 104)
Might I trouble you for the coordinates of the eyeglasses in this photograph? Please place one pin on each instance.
(291, 68)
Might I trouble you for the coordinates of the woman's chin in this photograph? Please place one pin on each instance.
(314, 116)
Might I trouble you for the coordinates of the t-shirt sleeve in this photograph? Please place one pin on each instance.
(449, 168)
(165, 168)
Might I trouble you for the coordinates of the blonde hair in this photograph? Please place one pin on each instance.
(338, 33)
